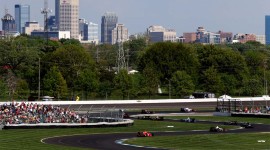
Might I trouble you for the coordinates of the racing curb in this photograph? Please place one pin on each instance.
(121, 142)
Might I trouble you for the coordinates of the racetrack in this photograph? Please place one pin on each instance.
(109, 141)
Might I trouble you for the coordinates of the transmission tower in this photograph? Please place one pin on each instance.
(45, 11)
(121, 64)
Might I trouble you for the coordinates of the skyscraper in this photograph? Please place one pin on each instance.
(108, 23)
(119, 34)
(67, 16)
(22, 15)
(8, 23)
(88, 31)
(267, 30)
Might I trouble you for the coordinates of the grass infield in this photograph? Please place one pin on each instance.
(252, 141)
(30, 139)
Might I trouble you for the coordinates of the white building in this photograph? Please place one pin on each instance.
(261, 39)
(31, 26)
(67, 16)
(119, 34)
(160, 34)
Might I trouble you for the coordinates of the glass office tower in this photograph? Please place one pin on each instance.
(22, 15)
(108, 23)
(267, 30)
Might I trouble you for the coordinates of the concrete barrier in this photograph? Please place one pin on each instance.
(93, 102)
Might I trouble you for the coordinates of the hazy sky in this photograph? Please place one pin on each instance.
(237, 16)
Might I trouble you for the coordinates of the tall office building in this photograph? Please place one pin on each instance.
(83, 29)
(93, 32)
(119, 34)
(67, 16)
(8, 23)
(88, 31)
(108, 23)
(22, 15)
(267, 30)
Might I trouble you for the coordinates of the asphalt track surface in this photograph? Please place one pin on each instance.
(109, 141)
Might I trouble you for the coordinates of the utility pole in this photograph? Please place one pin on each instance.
(128, 59)
(265, 81)
(97, 55)
(169, 87)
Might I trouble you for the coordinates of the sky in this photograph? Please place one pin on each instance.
(237, 16)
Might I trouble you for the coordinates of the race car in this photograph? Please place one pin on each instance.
(246, 125)
(231, 123)
(217, 129)
(188, 120)
(145, 134)
(186, 110)
(144, 111)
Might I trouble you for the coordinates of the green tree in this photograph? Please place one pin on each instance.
(170, 57)
(135, 48)
(71, 61)
(182, 84)
(3, 89)
(150, 81)
(253, 86)
(212, 81)
(225, 61)
(22, 89)
(122, 81)
(55, 84)
(137, 85)
(87, 81)
(255, 60)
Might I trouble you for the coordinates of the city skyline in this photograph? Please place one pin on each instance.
(241, 16)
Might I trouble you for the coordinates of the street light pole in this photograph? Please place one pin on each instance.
(169, 87)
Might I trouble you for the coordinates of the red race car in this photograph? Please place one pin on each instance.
(145, 134)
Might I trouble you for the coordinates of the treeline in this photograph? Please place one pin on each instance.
(65, 69)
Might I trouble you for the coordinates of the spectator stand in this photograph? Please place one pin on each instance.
(39, 115)
(237, 107)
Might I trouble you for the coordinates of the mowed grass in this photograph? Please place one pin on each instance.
(30, 139)
(252, 141)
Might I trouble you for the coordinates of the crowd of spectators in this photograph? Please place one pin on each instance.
(33, 113)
